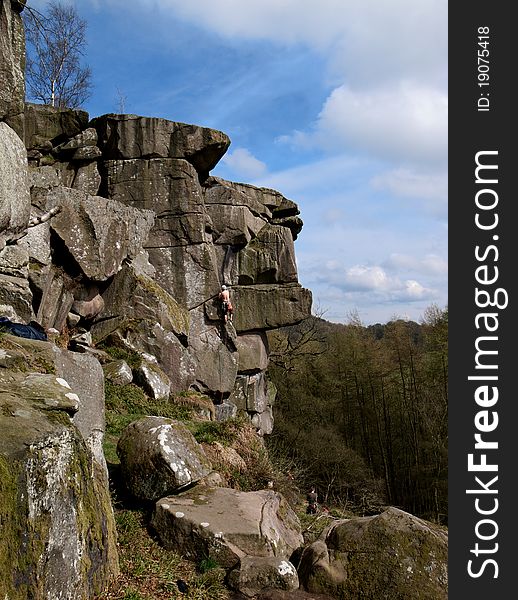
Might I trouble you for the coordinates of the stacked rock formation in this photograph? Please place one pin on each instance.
(142, 241)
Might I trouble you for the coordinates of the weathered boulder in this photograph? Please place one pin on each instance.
(150, 377)
(12, 63)
(44, 390)
(391, 555)
(84, 375)
(269, 306)
(79, 378)
(159, 456)
(58, 529)
(227, 525)
(256, 574)
(49, 126)
(15, 200)
(98, 233)
(118, 372)
(133, 136)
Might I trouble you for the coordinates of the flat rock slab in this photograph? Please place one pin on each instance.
(227, 525)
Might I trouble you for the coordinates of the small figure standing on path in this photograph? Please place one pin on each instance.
(312, 501)
(226, 305)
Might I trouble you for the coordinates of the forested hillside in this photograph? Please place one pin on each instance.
(363, 411)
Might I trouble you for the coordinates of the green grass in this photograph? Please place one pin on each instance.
(133, 359)
(224, 432)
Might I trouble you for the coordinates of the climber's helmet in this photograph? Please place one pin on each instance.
(223, 287)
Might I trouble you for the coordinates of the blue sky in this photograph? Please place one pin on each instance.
(341, 105)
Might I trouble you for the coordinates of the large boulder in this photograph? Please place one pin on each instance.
(12, 63)
(99, 234)
(15, 200)
(159, 456)
(80, 378)
(391, 555)
(58, 529)
(150, 377)
(133, 136)
(227, 525)
(84, 375)
(49, 126)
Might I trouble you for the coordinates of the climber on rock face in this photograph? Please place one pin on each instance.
(226, 305)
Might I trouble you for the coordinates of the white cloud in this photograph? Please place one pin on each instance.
(361, 278)
(431, 188)
(244, 164)
(431, 264)
(375, 279)
(370, 284)
(364, 41)
(405, 182)
(406, 121)
(367, 36)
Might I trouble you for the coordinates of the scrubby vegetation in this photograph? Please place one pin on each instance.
(363, 411)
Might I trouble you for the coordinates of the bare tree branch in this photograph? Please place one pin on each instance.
(55, 44)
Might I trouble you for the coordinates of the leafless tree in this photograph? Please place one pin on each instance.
(121, 101)
(55, 44)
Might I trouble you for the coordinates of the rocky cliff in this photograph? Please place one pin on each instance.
(114, 233)
(115, 237)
